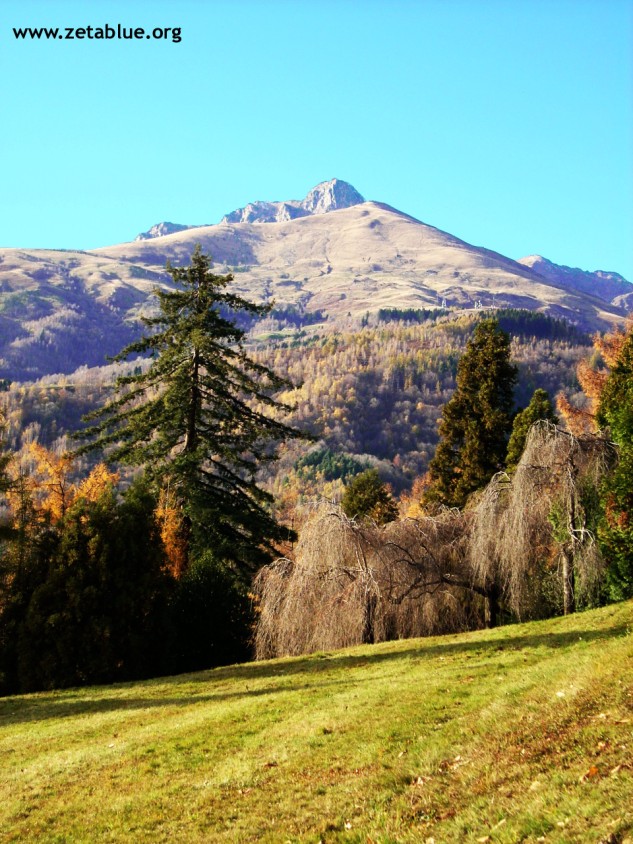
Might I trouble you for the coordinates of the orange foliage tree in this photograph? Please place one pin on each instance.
(582, 420)
(173, 531)
(42, 491)
(98, 482)
(52, 482)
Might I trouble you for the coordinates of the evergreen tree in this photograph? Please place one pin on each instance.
(477, 419)
(540, 407)
(200, 418)
(90, 606)
(6, 484)
(367, 496)
(212, 617)
(615, 532)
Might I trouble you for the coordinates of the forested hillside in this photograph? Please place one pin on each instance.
(376, 392)
(190, 474)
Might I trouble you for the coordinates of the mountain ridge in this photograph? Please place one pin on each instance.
(608, 285)
(162, 229)
(330, 269)
(331, 195)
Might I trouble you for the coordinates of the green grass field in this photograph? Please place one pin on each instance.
(524, 733)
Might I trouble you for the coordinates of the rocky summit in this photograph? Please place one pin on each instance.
(326, 196)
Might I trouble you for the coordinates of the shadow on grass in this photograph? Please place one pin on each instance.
(311, 669)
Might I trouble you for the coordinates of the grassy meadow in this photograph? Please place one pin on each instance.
(524, 733)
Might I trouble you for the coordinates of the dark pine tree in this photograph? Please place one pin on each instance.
(201, 418)
(539, 408)
(477, 419)
(366, 496)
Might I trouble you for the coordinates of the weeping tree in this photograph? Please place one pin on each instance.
(527, 546)
(534, 533)
(192, 418)
(351, 583)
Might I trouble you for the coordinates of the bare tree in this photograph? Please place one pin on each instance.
(531, 531)
(360, 583)
(525, 545)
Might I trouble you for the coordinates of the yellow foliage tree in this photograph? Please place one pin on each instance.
(52, 481)
(99, 481)
(173, 531)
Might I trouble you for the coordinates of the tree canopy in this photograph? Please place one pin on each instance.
(615, 411)
(200, 417)
(366, 496)
(540, 407)
(477, 419)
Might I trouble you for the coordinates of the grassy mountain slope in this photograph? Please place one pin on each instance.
(524, 733)
(372, 253)
(61, 309)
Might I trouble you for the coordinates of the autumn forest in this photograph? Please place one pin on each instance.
(214, 494)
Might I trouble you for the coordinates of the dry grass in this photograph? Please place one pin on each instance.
(524, 733)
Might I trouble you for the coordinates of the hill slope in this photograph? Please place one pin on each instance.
(362, 258)
(524, 733)
(340, 259)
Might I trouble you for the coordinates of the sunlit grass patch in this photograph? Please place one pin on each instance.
(524, 733)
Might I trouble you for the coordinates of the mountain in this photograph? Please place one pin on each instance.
(340, 259)
(611, 287)
(367, 256)
(161, 229)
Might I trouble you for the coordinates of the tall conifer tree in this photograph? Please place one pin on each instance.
(477, 419)
(539, 408)
(200, 418)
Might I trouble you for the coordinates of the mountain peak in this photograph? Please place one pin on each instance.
(331, 196)
(161, 229)
(323, 198)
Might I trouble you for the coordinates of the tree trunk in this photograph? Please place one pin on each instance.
(368, 627)
(491, 611)
(568, 581)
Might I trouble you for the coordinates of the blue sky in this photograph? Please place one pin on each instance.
(508, 123)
